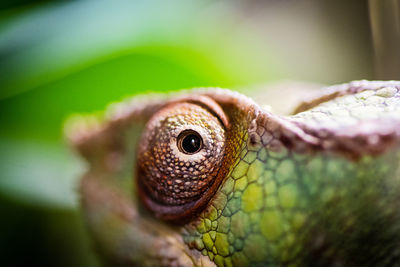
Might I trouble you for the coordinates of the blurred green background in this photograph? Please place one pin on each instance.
(63, 57)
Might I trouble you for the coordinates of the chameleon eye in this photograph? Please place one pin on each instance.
(179, 158)
(189, 142)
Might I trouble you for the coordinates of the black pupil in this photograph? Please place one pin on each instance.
(191, 143)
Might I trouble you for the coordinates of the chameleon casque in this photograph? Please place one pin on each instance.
(207, 177)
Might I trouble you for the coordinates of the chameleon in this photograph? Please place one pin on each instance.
(208, 177)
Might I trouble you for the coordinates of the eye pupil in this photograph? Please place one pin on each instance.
(190, 142)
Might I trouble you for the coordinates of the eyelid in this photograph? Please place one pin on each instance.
(208, 104)
(174, 185)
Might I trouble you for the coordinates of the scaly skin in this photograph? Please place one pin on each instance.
(319, 188)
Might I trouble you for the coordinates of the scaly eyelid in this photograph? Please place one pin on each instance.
(173, 184)
(208, 104)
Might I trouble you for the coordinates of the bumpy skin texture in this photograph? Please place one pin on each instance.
(318, 188)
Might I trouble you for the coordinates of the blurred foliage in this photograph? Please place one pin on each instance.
(9, 4)
(64, 57)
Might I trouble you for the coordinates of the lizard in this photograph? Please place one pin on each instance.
(208, 177)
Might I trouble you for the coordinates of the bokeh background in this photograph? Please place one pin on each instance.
(59, 58)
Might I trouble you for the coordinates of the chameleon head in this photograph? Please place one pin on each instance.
(218, 180)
